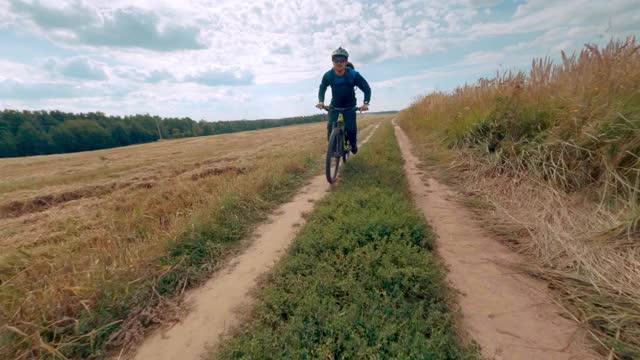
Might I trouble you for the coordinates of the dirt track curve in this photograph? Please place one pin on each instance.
(215, 307)
(509, 314)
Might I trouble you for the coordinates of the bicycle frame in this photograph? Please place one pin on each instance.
(340, 125)
(335, 152)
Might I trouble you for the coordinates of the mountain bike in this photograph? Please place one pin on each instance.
(338, 148)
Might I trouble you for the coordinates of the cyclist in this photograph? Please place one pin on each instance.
(342, 80)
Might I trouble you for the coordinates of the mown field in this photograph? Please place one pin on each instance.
(550, 159)
(95, 245)
(360, 280)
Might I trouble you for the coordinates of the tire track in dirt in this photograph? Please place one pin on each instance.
(215, 307)
(509, 314)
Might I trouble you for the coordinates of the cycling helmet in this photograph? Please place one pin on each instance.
(340, 52)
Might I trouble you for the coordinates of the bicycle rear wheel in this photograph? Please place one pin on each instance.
(334, 154)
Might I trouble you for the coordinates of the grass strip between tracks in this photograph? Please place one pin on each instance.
(360, 280)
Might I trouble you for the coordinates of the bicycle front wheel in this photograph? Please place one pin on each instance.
(334, 154)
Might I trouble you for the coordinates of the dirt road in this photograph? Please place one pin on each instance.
(215, 306)
(508, 313)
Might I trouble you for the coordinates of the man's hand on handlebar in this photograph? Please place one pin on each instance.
(364, 107)
(320, 105)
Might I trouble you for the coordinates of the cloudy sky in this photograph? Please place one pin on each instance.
(232, 59)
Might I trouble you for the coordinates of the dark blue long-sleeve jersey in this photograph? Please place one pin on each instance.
(343, 93)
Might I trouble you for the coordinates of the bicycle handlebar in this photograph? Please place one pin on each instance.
(352, 108)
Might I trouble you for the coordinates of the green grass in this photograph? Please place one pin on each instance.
(360, 280)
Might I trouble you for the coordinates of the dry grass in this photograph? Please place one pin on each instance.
(71, 225)
(557, 153)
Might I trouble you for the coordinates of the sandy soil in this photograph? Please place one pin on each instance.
(509, 314)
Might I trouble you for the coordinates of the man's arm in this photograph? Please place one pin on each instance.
(363, 85)
(323, 88)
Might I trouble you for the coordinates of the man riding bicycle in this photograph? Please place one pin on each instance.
(343, 95)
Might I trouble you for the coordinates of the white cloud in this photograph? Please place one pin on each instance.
(159, 75)
(220, 76)
(80, 23)
(16, 70)
(457, 69)
(56, 15)
(538, 15)
(198, 54)
(484, 57)
(484, 3)
(11, 89)
(80, 67)
(238, 33)
(281, 49)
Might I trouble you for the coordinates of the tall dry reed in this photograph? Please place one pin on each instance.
(556, 151)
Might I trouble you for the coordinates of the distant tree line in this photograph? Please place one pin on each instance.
(24, 133)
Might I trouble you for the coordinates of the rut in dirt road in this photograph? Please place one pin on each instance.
(216, 305)
(509, 314)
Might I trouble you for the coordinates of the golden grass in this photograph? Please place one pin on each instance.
(128, 174)
(71, 223)
(556, 152)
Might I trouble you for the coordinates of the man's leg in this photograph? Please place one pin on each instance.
(352, 130)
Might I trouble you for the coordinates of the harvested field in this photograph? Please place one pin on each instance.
(82, 232)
